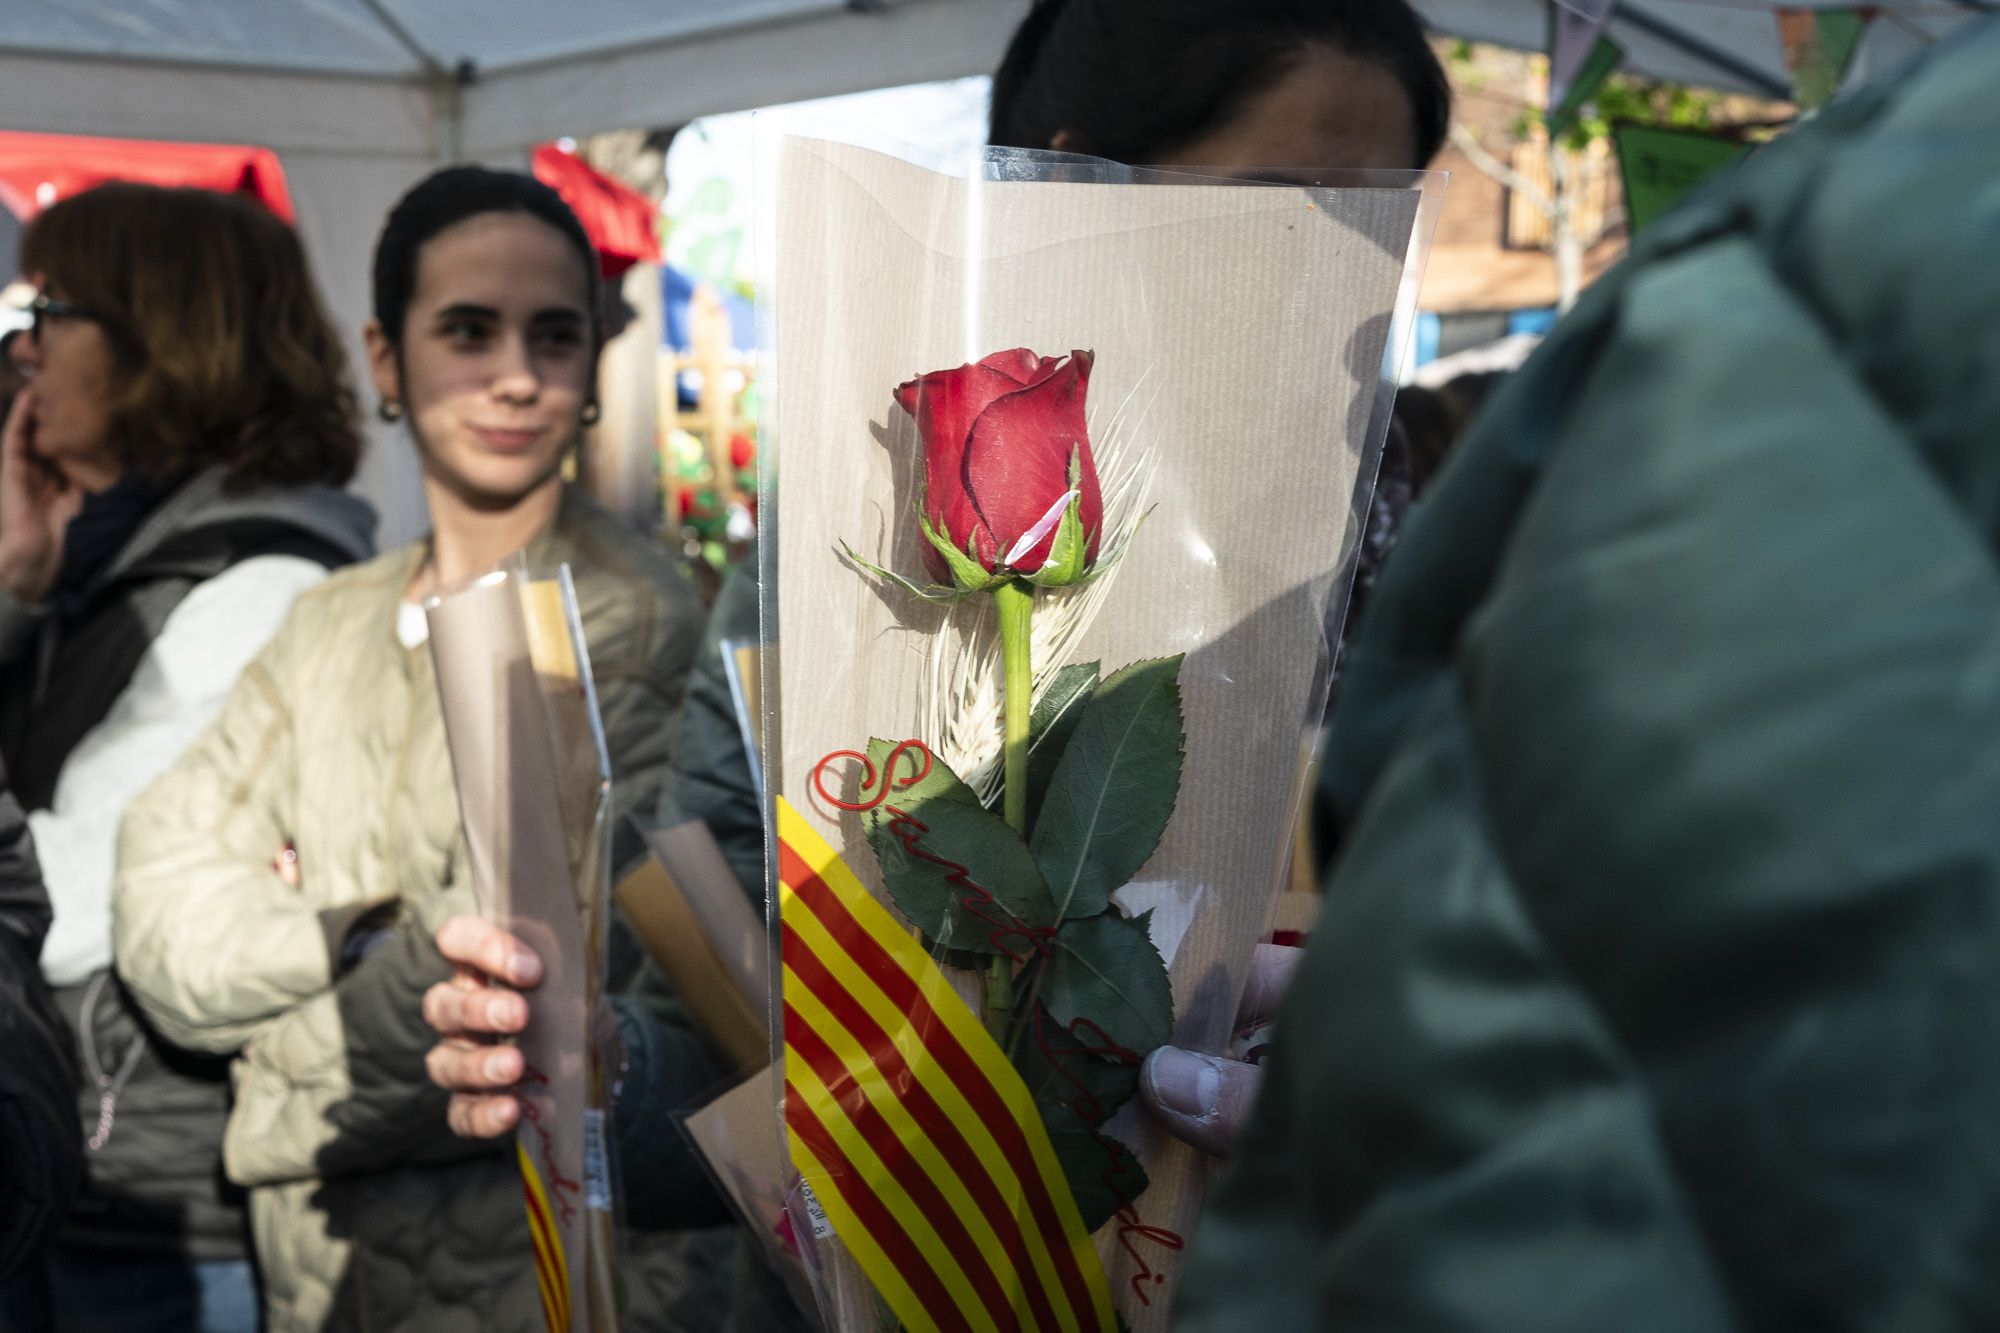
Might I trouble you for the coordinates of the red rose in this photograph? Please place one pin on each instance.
(1009, 481)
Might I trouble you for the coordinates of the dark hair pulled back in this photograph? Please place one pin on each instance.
(446, 198)
(1135, 80)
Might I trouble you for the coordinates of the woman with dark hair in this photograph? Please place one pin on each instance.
(367, 1212)
(1281, 89)
(1250, 87)
(168, 485)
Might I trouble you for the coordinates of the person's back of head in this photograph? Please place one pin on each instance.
(1150, 82)
(222, 351)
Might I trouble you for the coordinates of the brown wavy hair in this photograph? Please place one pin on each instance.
(223, 355)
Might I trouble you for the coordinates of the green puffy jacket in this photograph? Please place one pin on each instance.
(1658, 985)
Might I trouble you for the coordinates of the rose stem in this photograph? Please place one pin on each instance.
(1014, 600)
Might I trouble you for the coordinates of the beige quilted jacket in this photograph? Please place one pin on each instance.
(366, 1213)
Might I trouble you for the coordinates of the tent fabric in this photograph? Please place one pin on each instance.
(622, 223)
(38, 169)
(477, 40)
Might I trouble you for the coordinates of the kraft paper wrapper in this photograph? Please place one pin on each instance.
(530, 777)
(1239, 334)
(691, 916)
(733, 1136)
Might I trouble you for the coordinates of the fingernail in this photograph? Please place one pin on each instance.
(527, 967)
(497, 1066)
(1184, 1082)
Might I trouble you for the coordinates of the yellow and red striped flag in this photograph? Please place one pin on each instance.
(911, 1127)
(551, 1267)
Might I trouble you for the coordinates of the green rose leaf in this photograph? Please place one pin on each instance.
(1105, 969)
(1057, 712)
(938, 783)
(1103, 1175)
(1106, 1083)
(1114, 788)
(938, 854)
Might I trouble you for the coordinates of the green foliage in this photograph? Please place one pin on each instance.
(1631, 99)
(1623, 98)
(1114, 788)
(1054, 721)
(931, 842)
(1101, 1179)
(1106, 970)
(1107, 1083)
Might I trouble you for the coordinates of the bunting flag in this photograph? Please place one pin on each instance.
(1661, 167)
(1820, 45)
(910, 1126)
(551, 1269)
(1576, 43)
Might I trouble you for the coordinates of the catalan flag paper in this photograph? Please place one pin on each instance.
(911, 1127)
(551, 1264)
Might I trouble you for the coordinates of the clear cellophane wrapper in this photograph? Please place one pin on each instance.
(1246, 337)
(533, 778)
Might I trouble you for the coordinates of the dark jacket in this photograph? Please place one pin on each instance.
(155, 1183)
(41, 1151)
(58, 680)
(1658, 984)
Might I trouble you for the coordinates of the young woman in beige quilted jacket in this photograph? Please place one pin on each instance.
(367, 1211)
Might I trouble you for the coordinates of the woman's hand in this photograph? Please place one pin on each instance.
(1204, 1100)
(36, 504)
(469, 1012)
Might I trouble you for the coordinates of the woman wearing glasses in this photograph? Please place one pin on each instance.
(167, 488)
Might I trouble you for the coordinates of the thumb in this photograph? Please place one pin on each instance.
(1202, 1100)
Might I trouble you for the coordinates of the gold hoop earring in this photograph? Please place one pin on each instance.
(591, 412)
(389, 410)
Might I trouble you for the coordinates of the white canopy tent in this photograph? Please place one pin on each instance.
(361, 97)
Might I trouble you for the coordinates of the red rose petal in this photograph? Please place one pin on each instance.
(1018, 454)
(1020, 365)
(945, 403)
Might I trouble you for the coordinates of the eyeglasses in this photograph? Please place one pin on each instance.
(45, 306)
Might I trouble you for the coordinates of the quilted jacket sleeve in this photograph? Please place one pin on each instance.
(338, 1084)
(208, 937)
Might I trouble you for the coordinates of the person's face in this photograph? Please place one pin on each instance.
(68, 359)
(1330, 111)
(496, 361)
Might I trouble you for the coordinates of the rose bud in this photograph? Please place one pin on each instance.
(1010, 485)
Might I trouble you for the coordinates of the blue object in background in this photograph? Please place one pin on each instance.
(1537, 322)
(677, 291)
(676, 294)
(1430, 331)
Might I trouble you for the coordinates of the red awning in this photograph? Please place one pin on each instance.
(38, 169)
(622, 223)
